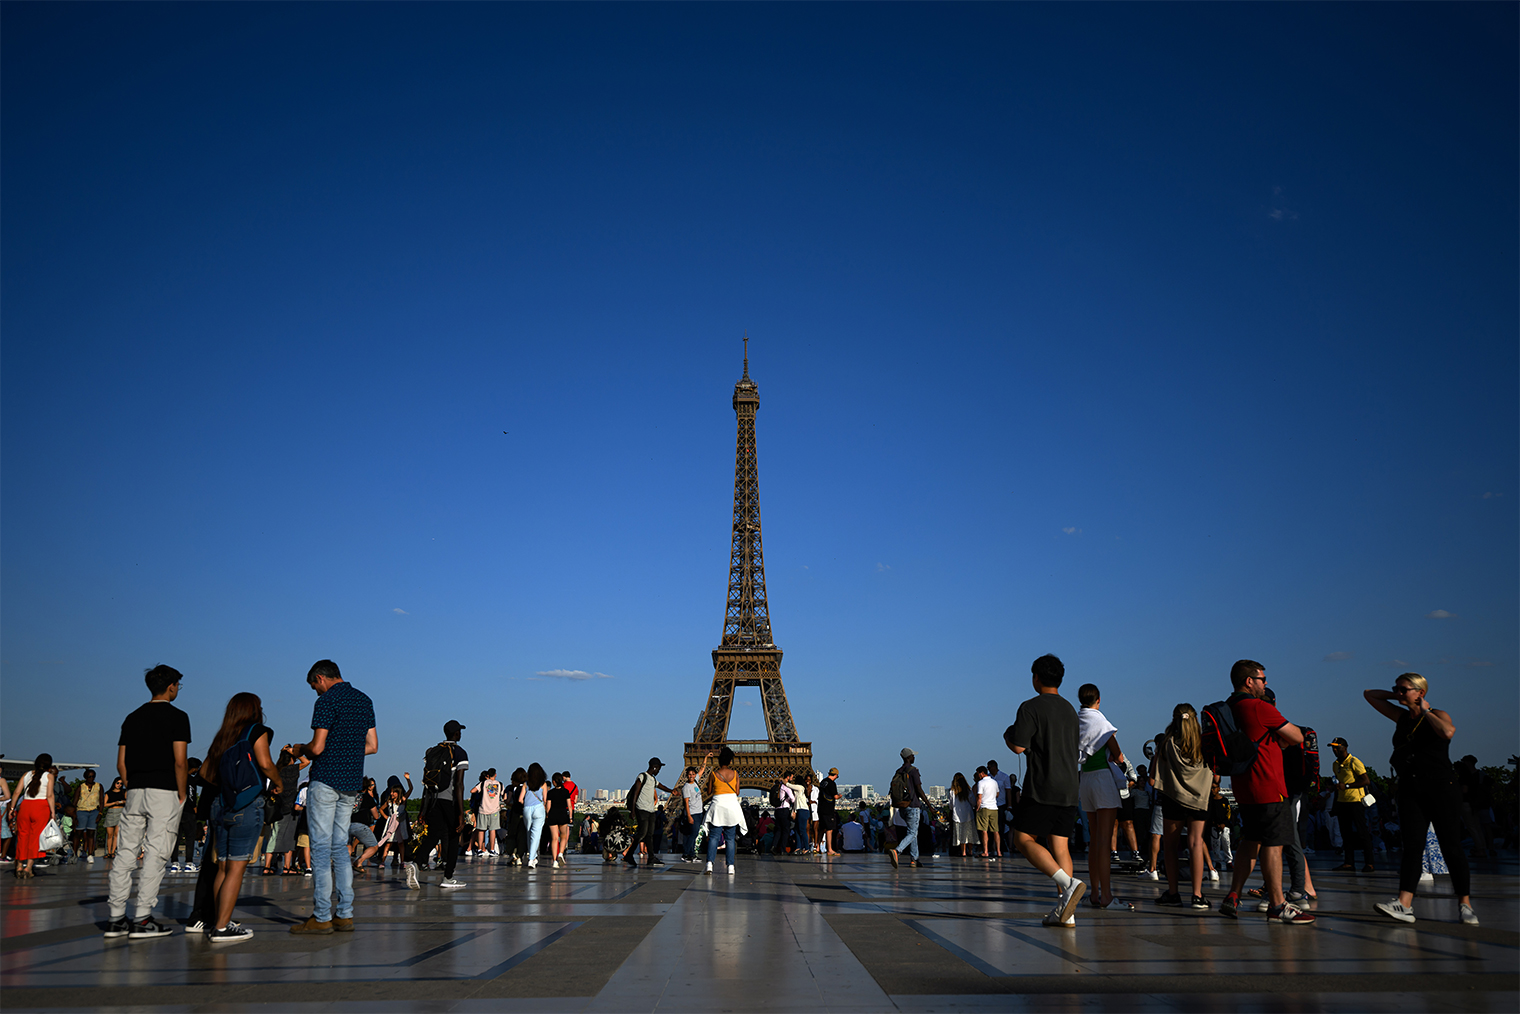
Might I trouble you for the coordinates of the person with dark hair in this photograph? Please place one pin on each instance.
(190, 817)
(691, 809)
(442, 809)
(89, 797)
(281, 843)
(828, 816)
(1101, 765)
(962, 816)
(558, 820)
(37, 807)
(910, 802)
(987, 814)
(1428, 795)
(361, 826)
(644, 800)
(488, 818)
(1045, 731)
(343, 734)
(1006, 793)
(397, 827)
(534, 797)
(237, 811)
(116, 800)
(1262, 792)
(517, 826)
(152, 757)
(724, 815)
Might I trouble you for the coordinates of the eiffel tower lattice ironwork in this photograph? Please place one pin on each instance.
(747, 655)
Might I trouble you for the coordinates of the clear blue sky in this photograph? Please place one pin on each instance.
(1153, 336)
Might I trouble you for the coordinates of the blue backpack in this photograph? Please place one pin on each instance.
(238, 774)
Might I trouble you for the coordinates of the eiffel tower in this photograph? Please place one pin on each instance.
(747, 657)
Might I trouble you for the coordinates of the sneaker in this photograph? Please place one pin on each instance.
(232, 933)
(1170, 899)
(306, 873)
(1290, 915)
(192, 868)
(147, 929)
(1296, 896)
(627, 859)
(1469, 917)
(412, 883)
(450, 882)
(533, 864)
(1054, 919)
(709, 869)
(197, 926)
(1200, 902)
(89, 859)
(1148, 875)
(1230, 903)
(1369, 868)
(731, 869)
(656, 861)
(1394, 910)
(118, 928)
(1264, 906)
(312, 928)
(1118, 904)
(892, 854)
(1069, 899)
(1427, 877)
(173, 868)
(1214, 876)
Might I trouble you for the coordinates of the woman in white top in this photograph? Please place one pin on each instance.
(33, 810)
(961, 815)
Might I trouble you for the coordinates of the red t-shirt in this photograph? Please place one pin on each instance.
(574, 790)
(1264, 782)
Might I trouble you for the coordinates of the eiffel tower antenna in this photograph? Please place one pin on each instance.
(746, 655)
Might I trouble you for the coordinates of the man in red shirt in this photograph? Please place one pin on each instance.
(1262, 793)
(575, 793)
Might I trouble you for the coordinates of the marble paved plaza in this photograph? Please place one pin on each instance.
(849, 934)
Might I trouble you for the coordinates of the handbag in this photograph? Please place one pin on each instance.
(51, 837)
(1368, 799)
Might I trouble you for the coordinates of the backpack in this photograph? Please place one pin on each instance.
(241, 782)
(438, 767)
(1226, 747)
(898, 790)
(776, 792)
(1310, 753)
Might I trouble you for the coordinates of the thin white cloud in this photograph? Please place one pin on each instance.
(1492, 496)
(749, 704)
(400, 612)
(883, 567)
(572, 674)
(1399, 662)
(1337, 656)
(1440, 614)
(1072, 531)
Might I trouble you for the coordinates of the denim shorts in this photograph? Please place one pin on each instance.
(85, 820)
(237, 831)
(364, 833)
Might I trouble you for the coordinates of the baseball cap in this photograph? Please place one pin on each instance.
(1338, 740)
(907, 753)
(655, 762)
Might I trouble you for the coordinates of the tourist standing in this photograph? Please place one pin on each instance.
(489, 820)
(1262, 792)
(962, 816)
(987, 814)
(828, 814)
(1428, 794)
(1045, 731)
(644, 800)
(443, 768)
(152, 757)
(534, 796)
(1101, 763)
(907, 793)
(343, 734)
(37, 806)
(724, 815)
(1351, 785)
(517, 828)
(1183, 782)
(116, 801)
(691, 804)
(1004, 803)
(89, 798)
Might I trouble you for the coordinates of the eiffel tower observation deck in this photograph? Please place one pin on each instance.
(747, 656)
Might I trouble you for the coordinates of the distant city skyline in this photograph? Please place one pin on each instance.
(405, 335)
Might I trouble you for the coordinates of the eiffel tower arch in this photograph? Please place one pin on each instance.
(747, 656)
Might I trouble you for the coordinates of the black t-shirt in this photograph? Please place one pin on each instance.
(116, 796)
(1046, 726)
(364, 808)
(149, 734)
(559, 802)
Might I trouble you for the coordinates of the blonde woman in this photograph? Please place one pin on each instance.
(1184, 782)
(1427, 791)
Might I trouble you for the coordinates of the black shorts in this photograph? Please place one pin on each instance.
(1268, 824)
(1173, 810)
(1040, 819)
(1127, 808)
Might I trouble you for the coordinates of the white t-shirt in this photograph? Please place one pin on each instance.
(960, 812)
(1003, 783)
(987, 793)
(853, 836)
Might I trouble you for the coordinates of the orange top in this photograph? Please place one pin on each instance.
(720, 787)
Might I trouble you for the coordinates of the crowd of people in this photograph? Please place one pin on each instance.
(308, 809)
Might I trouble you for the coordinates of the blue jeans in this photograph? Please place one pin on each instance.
(801, 823)
(730, 842)
(910, 815)
(534, 817)
(327, 816)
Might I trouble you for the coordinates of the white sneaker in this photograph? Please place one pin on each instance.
(1427, 877)
(1214, 876)
(1068, 905)
(1394, 910)
(1469, 917)
(731, 869)
(89, 859)
(1054, 919)
(192, 868)
(412, 883)
(173, 868)
(451, 882)
(709, 869)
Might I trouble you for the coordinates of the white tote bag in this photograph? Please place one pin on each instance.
(51, 837)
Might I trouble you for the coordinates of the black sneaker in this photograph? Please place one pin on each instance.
(118, 928)
(631, 861)
(1170, 899)
(1200, 902)
(148, 929)
(230, 934)
(656, 861)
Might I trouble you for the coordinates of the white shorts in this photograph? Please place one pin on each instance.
(1096, 791)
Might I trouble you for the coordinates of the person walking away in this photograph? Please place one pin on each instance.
(534, 796)
(152, 757)
(89, 798)
(343, 734)
(443, 768)
(1101, 763)
(1351, 785)
(692, 807)
(987, 814)
(1045, 731)
(517, 827)
(644, 800)
(1183, 782)
(828, 813)
(1262, 792)
(1428, 794)
(724, 815)
(558, 820)
(489, 821)
(907, 795)
(235, 770)
(37, 806)
(962, 816)
(1477, 797)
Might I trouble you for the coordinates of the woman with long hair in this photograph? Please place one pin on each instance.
(517, 829)
(1428, 795)
(962, 816)
(559, 821)
(398, 829)
(724, 815)
(1183, 782)
(237, 820)
(116, 801)
(36, 808)
(534, 795)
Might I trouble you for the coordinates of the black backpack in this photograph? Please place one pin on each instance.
(438, 767)
(1226, 747)
(776, 792)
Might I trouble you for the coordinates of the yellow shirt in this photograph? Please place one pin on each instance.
(90, 797)
(1349, 770)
